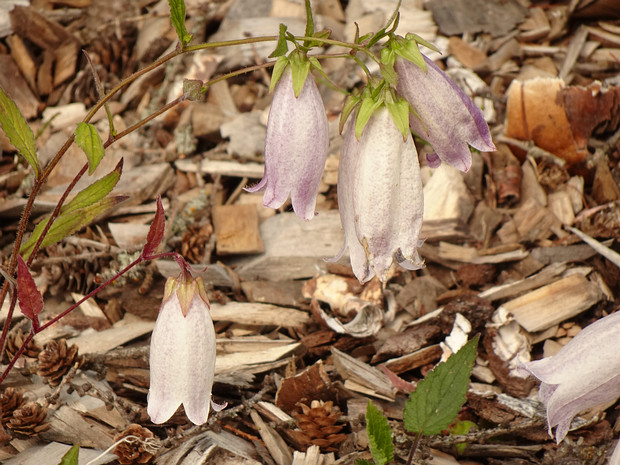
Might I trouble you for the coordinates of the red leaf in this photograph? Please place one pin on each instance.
(28, 296)
(156, 232)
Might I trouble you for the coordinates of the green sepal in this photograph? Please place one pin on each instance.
(69, 223)
(379, 435)
(438, 398)
(399, 110)
(19, 133)
(87, 138)
(388, 56)
(282, 45)
(83, 208)
(351, 102)
(408, 49)
(309, 24)
(193, 89)
(361, 40)
(278, 69)
(71, 457)
(367, 108)
(300, 67)
(177, 17)
(421, 41)
(389, 74)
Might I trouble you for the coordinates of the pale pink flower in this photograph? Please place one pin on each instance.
(182, 356)
(583, 374)
(380, 198)
(445, 116)
(296, 147)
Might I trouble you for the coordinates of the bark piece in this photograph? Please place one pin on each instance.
(286, 256)
(414, 360)
(236, 229)
(554, 303)
(259, 314)
(361, 377)
(274, 442)
(311, 384)
(408, 342)
(13, 83)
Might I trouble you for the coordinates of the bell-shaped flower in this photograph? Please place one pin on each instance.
(444, 115)
(380, 198)
(583, 374)
(182, 357)
(296, 147)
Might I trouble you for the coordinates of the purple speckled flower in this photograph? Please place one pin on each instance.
(583, 374)
(295, 147)
(380, 198)
(446, 117)
(182, 356)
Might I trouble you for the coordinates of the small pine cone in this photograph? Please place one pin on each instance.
(136, 451)
(14, 342)
(10, 400)
(318, 425)
(56, 360)
(28, 421)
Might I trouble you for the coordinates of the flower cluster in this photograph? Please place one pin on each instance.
(379, 185)
(583, 374)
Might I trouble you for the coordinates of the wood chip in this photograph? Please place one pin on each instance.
(259, 314)
(553, 303)
(236, 229)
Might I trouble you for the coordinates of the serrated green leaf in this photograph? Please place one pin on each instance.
(95, 192)
(71, 457)
(438, 398)
(282, 45)
(379, 435)
(87, 138)
(177, 17)
(363, 462)
(68, 223)
(17, 130)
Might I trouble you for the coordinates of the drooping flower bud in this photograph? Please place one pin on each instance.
(583, 374)
(296, 147)
(445, 116)
(380, 198)
(182, 356)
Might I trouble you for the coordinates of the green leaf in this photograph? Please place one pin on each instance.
(68, 223)
(282, 46)
(462, 427)
(95, 192)
(363, 462)
(87, 138)
(71, 457)
(379, 435)
(177, 17)
(438, 398)
(17, 130)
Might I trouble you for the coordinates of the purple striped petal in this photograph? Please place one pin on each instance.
(445, 116)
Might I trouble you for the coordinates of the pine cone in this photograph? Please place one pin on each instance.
(10, 400)
(136, 451)
(14, 342)
(318, 425)
(56, 360)
(28, 421)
